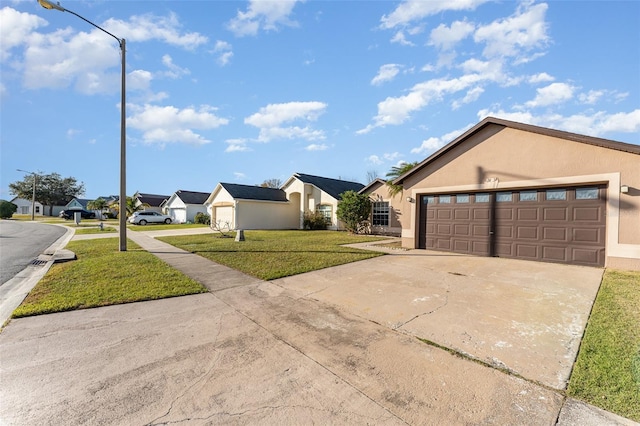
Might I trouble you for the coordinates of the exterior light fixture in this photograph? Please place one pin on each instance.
(624, 189)
(122, 215)
(410, 200)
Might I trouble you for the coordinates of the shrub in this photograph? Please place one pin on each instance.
(202, 218)
(7, 209)
(354, 210)
(314, 221)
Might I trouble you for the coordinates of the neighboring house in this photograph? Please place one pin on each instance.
(386, 211)
(514, 190)
(24, 207)
(183, 206)
(250, 207)
(150, 202)
(310, 193)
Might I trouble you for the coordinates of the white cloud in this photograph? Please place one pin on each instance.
(237, 145)
(270, 120)
(542, 77)
(168, 124)
(471, 96)
(400, 38)
(591, 97)
(239, 175)
(386, 73)
(374, 159)
(317, 147)
(412, 10)
(16, 29)
(262, 15)
(445, 38)
(517, 34)
(174, 71)
(224, 51)
(435, 143)
(553, 94)
(151, 27)
(597, 124)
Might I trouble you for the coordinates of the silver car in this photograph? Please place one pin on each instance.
(144, 217)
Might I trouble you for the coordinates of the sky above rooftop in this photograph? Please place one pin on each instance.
(242, 92)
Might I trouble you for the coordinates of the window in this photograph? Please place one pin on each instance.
(528, 195)
(445, 199)
(380, 213)
(38, 209)
(482, 198)
(428, 199)
(587, 194)
(325, 210)
(462, 198)
(503, 197)
(556, 194)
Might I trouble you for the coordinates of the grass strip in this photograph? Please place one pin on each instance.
(103, 276)
(269, 255)
(607, 371)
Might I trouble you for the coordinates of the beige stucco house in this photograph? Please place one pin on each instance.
(308, 193)
(514, 190)
(386, 210)
(253, 207)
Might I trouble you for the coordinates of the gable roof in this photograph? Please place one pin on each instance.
(251, 192)
(333, 187)
(82, 201)
(501, 124)
(152, 200)
(376, 181)
(192, 197)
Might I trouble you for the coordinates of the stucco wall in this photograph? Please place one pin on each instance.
(310, 198)
(380, 192)
(511, 158)
(265, 215)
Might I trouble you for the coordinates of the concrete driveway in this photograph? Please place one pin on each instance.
(335, 346)
(523, 317)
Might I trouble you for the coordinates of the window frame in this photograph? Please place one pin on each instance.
(380, 213)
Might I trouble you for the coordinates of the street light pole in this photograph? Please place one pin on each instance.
(122, 214)
(33, 196)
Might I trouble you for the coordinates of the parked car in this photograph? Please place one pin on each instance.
(144, 217)
(84, 214)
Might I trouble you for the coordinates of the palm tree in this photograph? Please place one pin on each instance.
(396, 172)
(100, 205)
(131, 206)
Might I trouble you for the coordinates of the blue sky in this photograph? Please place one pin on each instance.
(235, 91)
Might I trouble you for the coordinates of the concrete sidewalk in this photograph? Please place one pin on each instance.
(252, 352)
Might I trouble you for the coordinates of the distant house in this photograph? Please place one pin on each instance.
(151, 202)
(310, 193)
(24, 207)
(183, 206)
(250, 207)
(386, 211)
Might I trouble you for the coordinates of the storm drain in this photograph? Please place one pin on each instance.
(38, 262)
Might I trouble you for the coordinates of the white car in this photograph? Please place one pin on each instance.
(144, 217)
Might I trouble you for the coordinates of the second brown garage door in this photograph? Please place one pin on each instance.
(564, 225)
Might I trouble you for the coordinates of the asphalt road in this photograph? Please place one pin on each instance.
(22, 242)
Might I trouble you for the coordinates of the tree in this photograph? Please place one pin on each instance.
(100, 204)
(131, 206)
(396, 172)
(51, 190)
(354, 210)
(271, 183)
(7, 209)
(372, 175)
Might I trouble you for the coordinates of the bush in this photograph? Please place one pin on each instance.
(354, 210)
(7, 209)
(314, 221)
(202, 218)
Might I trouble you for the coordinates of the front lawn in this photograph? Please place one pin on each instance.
(104, 276)
(607, 371)
(275, 254)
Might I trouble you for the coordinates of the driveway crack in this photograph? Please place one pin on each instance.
(436, 309)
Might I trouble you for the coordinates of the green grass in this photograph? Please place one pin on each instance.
(275, 254)
(104, 276)
(93, 229)
(607, 371)
(162, 226)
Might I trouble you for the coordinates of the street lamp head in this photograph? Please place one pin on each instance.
(50, 5)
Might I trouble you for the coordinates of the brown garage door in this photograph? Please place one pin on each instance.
(565, 225)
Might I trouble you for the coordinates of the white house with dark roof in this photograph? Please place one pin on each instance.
(152, 202)
(255, 207)
(183, 206)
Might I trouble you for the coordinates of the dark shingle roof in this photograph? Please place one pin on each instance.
(249, 192)
(192, 197)
(152, 200)
(333, 187)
